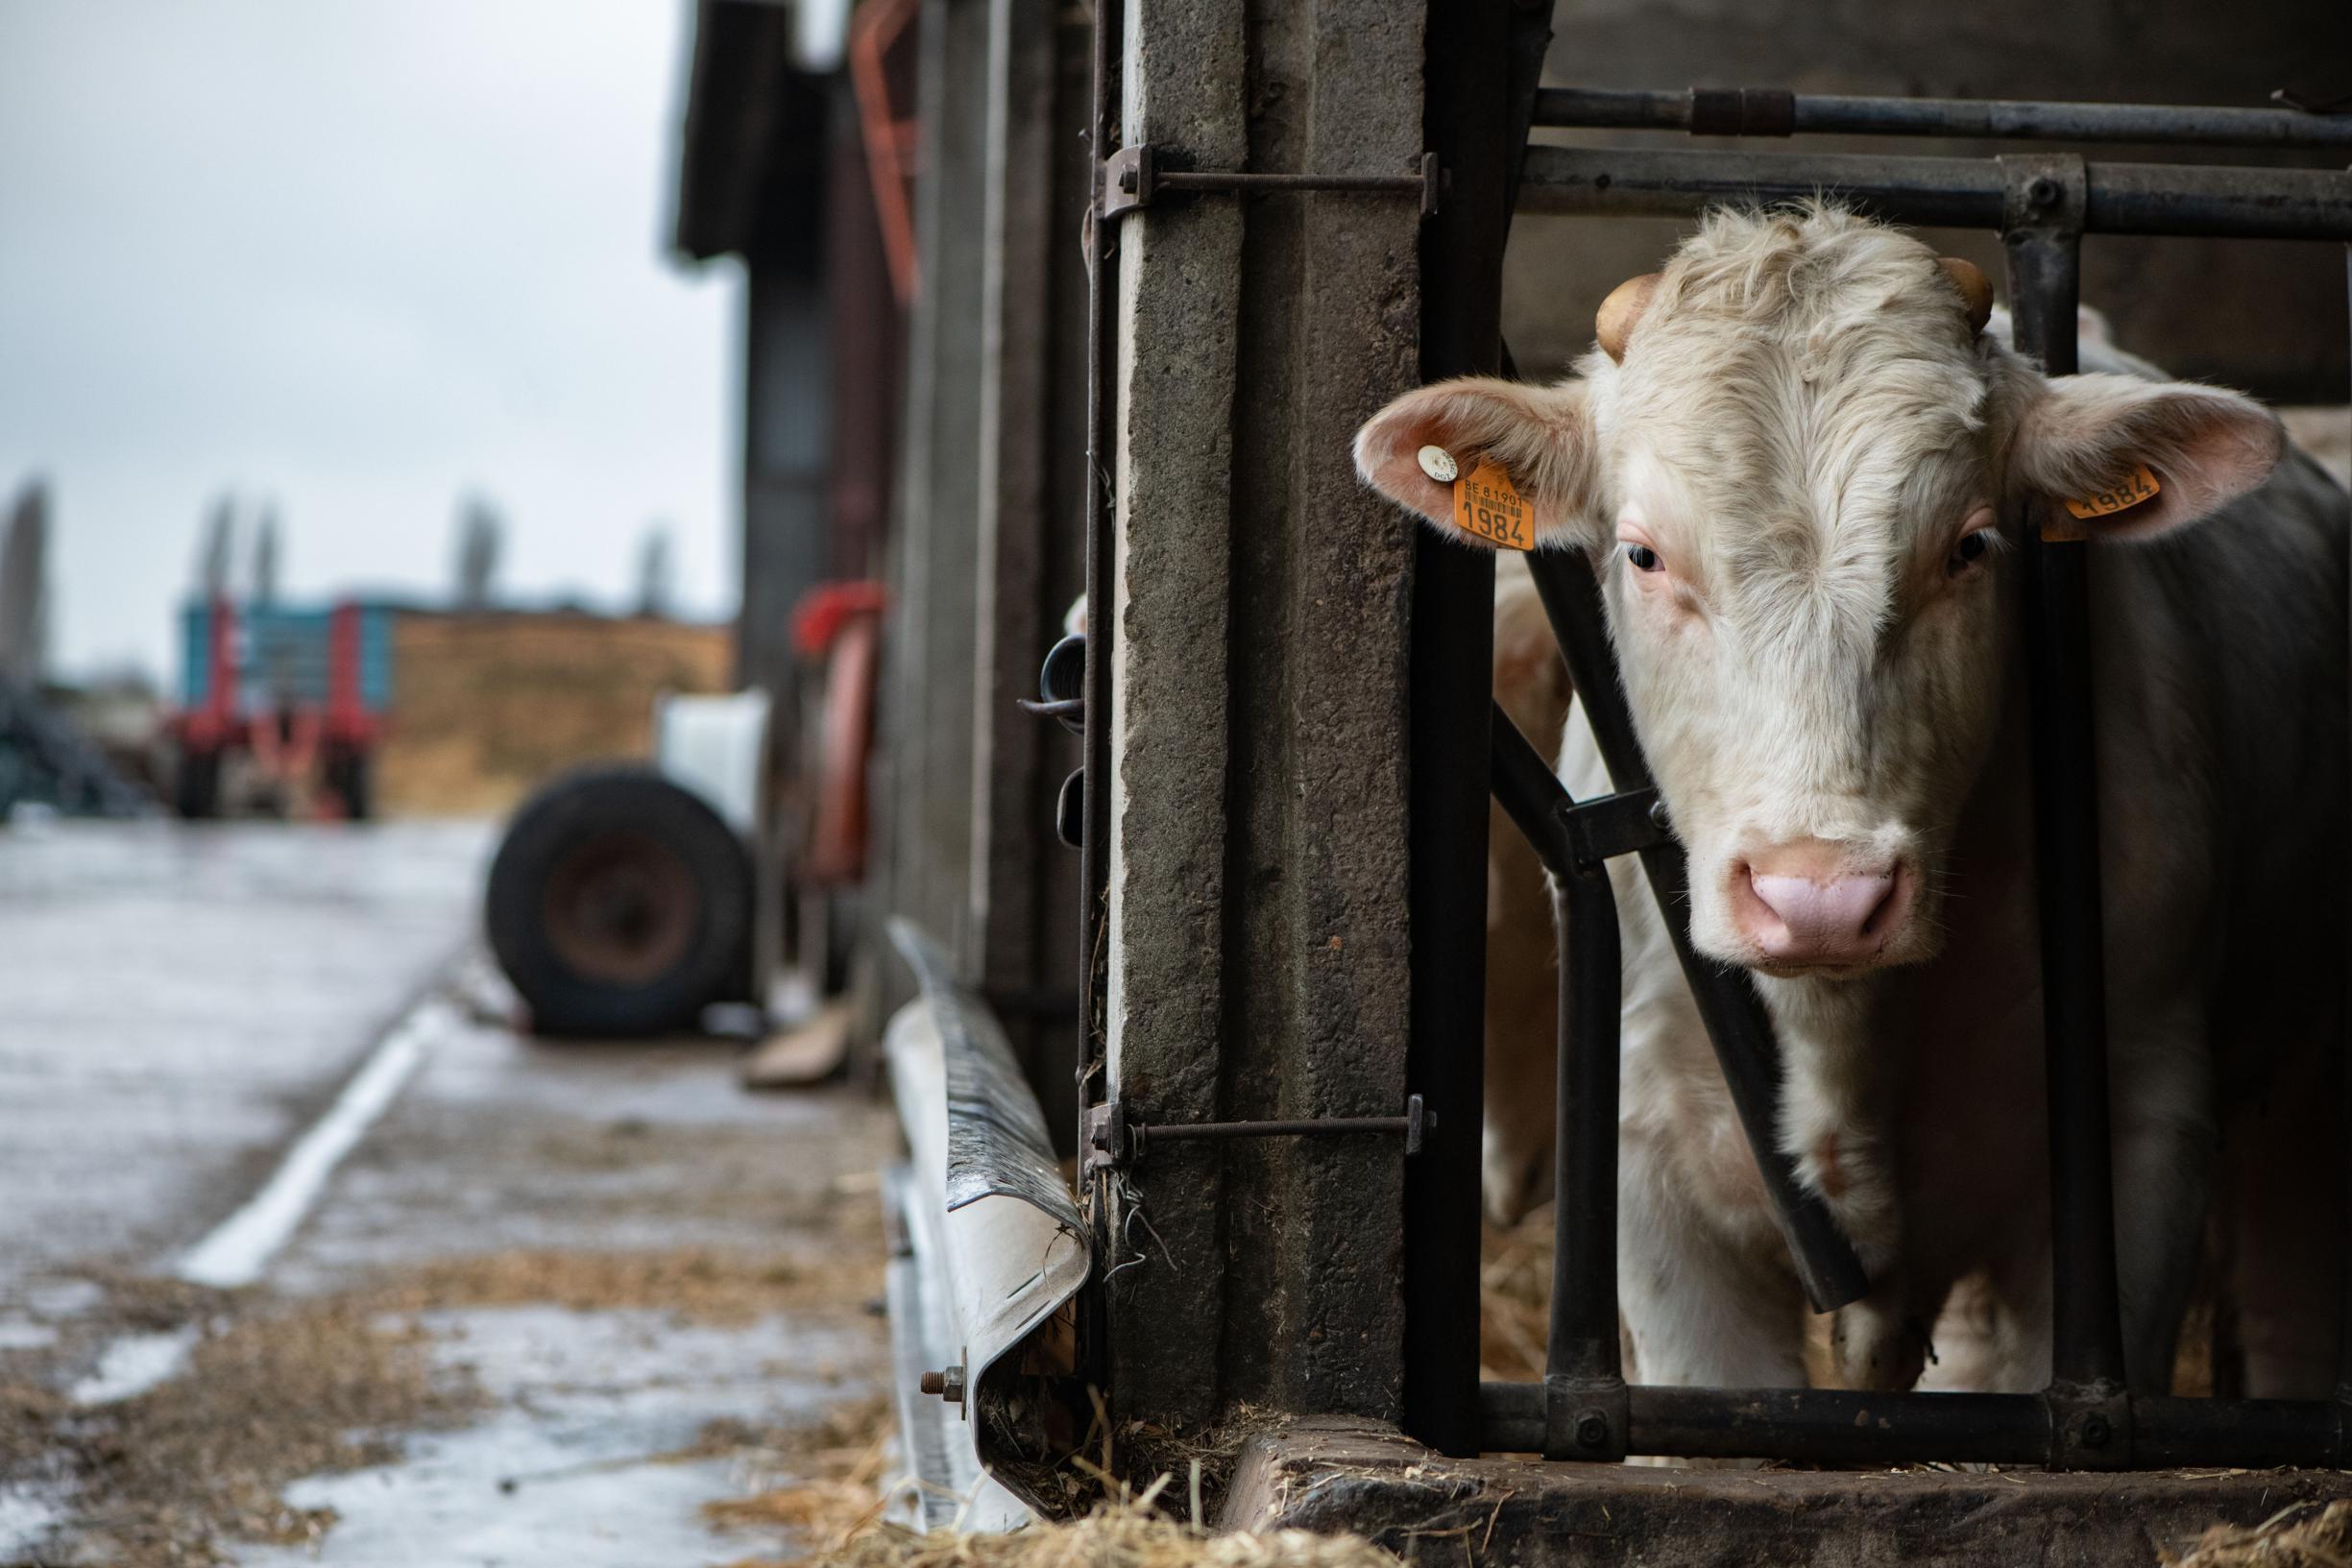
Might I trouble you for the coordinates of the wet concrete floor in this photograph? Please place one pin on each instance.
(552, 1304)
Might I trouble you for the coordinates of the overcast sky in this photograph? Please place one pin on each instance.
(359, 258)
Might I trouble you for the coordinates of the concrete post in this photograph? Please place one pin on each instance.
(1257, 921)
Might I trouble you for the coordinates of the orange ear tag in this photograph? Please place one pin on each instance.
(1487, 504)
(2137, 488)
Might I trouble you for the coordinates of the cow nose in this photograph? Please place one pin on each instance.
(1813, 903)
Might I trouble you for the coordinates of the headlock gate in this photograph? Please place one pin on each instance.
(2088, 1417)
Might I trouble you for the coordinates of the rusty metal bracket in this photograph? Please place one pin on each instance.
(1115, 1140)
(1132, 178)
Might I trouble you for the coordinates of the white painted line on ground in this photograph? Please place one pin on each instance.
(242, 1245)
(134, 1363)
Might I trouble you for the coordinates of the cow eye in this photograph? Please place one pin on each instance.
(1643, 558)
(1969, 551)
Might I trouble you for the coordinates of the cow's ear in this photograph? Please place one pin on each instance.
(1540, 437)
(2106, 442)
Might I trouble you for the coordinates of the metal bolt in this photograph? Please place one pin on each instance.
(1127, 178)
(2041, 190)
(947, 1385)
(1657, 816)
(1592, 1429)
(2095, 1431)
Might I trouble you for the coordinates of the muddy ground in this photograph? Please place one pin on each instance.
(583, 1305)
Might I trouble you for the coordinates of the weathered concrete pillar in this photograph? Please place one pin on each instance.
(1257, 919)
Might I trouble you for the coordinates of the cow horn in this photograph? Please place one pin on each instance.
(1622, 312)
(1975, 289)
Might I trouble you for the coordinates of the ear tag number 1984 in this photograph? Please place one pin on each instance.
(1487, 504)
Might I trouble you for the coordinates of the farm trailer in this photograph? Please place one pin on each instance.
(280, 707)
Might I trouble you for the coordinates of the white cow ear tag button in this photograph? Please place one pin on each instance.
(1439, 463)
(1487, 504)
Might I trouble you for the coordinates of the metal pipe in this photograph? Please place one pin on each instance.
(2343, 1144)
(1950, 192)
(1583, 1339)
(2087, 1337)
(1094, 788)
(1584, 1383)
(1775, 111)
(1328, 1126)
(1467, 123)
(1727, 998)
(1823, 1426)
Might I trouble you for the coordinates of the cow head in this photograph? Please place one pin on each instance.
(1795, 465)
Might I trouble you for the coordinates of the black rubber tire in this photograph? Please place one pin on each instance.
(703, 870)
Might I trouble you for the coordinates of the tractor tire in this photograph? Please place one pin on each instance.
(619, 905)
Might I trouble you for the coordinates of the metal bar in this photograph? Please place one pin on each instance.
(2045, 202)
(1101, 299)
(1584, 1383)
(1728, 1002)
(1465, 121)
(1211, 179)
(2344, 1144)
(1531, 794)
(1329, 1126)
(1825, 1426)
(1094, 786)
(1952, 192)
(1988, 119)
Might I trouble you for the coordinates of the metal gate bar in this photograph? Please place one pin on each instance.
(1775, 111)
(2209, 200)
(1727, 998)
(1583, 1383)
(1835, 1426)
(2086, 1418)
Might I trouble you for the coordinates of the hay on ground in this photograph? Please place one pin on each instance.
(709, 1285)
(2296, 1538)
(1127, 1533)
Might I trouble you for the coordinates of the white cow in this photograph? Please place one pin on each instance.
(1797, 465)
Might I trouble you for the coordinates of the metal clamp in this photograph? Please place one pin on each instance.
(1131, 178)
(1607, 825)
(2090, 1428)
(1586, 1418)
(1114, 1139)
(2043, 191)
